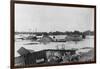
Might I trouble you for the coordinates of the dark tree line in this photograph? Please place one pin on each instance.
(88, 32)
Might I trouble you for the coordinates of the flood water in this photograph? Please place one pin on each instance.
(36, 46)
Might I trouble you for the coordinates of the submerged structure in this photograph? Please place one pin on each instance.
(49, 56)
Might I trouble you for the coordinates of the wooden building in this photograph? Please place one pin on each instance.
(48, 56)
(44, 56)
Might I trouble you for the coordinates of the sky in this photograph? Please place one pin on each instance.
(40, 18)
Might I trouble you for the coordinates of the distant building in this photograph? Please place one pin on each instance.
(59, 38)
(46, 39)
(74, 38)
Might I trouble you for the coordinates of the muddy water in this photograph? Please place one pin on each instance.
(36, 46)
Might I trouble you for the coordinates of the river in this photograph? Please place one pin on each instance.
(36, 46)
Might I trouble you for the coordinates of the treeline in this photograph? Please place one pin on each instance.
(88, 32)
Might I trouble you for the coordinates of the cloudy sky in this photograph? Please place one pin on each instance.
(52, 18)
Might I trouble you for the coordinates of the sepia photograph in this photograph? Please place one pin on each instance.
(51, 34)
